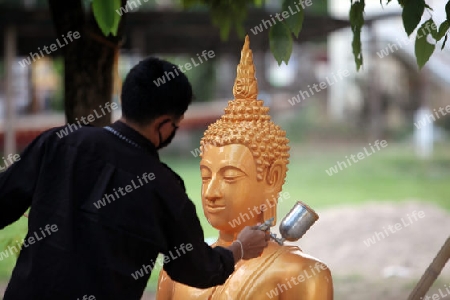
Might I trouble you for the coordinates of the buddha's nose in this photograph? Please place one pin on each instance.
(213, 190)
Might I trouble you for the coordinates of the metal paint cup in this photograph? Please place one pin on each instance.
(297, 222)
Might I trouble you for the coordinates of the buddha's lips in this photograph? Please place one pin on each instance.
(214, 208)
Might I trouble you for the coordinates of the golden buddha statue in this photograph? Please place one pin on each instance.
(243, 167)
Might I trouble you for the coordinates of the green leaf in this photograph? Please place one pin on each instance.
(445, 41)
(258, 3)
(356, 23)
(225, 28)
(356, 49)
(412, 14)
(188, 3)
(295, 16)
(357, 15)
(106, 15)
(280, 42)
(115, 26)
(423, 49)
(430, 28)
(443, 28)
(240, 30)
(427, 6)
(226, 14)
(447, 10)
(387, 2)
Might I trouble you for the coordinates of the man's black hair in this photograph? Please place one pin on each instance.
(152, 88)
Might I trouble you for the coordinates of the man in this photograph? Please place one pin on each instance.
(103, 205)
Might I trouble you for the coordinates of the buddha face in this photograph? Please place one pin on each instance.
(230, 189)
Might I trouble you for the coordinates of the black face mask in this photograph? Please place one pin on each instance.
(165, 143)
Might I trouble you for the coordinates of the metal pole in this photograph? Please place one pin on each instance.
(10, 109)
(431, 273)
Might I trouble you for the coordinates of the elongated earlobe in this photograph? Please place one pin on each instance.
(271, 211)
(275, 177)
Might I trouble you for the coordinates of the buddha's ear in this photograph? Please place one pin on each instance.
(274, 180)
(275, 176)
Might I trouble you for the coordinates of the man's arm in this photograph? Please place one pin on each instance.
(191, 261)
(17, 183)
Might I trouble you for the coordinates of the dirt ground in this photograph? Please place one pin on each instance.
(390, 267)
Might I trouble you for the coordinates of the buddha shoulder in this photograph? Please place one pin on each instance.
(294, 262)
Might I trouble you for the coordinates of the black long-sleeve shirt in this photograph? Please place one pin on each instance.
(103, 207)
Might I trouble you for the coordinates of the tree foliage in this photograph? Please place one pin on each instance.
(227, 14)
(412, 14)
(356, 23)
(107, 21)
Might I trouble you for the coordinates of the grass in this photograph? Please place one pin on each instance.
(392, 174)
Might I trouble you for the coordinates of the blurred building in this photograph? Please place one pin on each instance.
(390, 88)
(383, 96)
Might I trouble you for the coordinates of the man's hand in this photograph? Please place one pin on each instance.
(251, 241)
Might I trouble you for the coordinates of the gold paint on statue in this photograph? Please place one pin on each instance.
(243, 168)
(245, 85)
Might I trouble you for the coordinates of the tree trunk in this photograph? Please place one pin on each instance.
(88, 63)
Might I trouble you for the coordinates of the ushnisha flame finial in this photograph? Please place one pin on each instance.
(245, 85)
(247, 121)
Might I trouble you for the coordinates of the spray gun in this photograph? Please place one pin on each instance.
(294, 225)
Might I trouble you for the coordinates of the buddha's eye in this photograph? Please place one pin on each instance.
(230, 179)
(232, 175)
(205, 174)
(206, 178)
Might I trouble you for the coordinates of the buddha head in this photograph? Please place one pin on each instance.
(244, 158)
